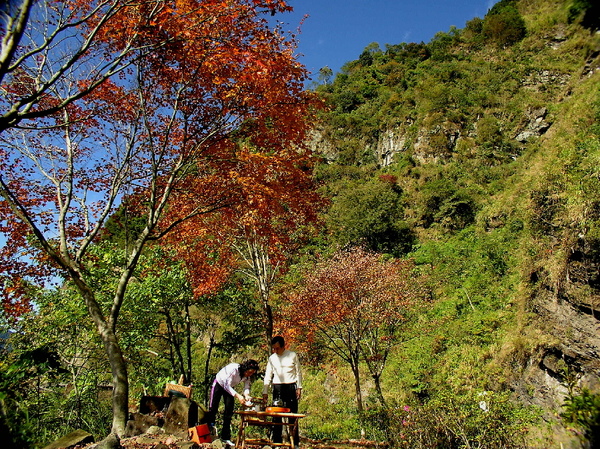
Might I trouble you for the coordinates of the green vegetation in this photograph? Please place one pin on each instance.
(474, 419)
(55, 379)
(491, 136)
(583, 411)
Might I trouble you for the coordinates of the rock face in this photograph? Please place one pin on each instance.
(439, 143)
(543, 382)
(430, 145)
(390, 143)
(536, 125)
(577, 336)
(567, 314)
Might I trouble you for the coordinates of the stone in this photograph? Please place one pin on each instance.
(76, 438)
(536, 126)
(187, 445)
(140, 423)
(181, 415)
(154, 430)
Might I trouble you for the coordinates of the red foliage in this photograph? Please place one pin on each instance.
(350, 294)
(210, 116)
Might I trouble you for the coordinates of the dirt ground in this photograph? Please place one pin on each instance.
(173, 442)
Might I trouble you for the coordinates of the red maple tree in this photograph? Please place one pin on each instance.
(273, 207)
(352, 305)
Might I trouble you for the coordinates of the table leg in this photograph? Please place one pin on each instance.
(240, 442)
(293, 428)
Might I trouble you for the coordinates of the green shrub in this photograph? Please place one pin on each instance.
(504, 26)
(371, 213)
(583, 412)
(331, 411)
(485, 420)
(16, 427)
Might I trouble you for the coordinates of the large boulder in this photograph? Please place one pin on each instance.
(181, 415)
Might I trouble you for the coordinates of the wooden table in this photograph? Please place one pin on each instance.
(265, 420)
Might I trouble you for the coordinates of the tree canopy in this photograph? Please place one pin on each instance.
(353, 304)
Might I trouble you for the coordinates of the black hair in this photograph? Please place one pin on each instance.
(248, 364)
(278, 339)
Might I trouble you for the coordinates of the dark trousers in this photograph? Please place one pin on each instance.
(216, 393)
(286, 393)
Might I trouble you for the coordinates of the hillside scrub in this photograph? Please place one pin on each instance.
(492, 135)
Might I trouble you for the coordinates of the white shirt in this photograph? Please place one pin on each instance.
(229, 377)
(283, 369)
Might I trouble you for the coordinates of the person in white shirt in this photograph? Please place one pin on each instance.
(223, 387)
(283, 374)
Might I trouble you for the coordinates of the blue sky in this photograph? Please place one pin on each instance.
(337, 31)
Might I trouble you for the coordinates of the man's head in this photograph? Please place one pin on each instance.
(278, 345)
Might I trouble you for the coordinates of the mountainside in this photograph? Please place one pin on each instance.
(491, 136)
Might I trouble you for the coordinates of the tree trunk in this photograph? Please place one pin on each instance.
(263, 274)
(359, 402)
(268, 324)
(377, 380)
(118, 367)
(207, 380)
(188, 341)
(178, 362)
